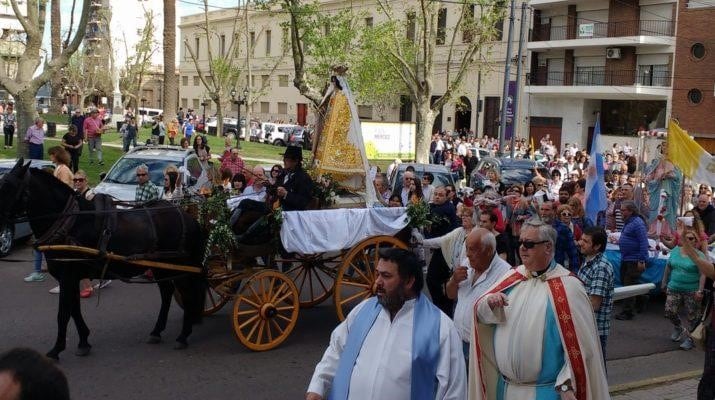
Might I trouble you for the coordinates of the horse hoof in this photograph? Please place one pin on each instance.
(53, 355)
(154, 339)
(180, 345)
(82, 351)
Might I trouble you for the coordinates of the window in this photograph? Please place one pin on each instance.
(184, 102)
(184, 80)
(282, 108)
(468, 25)
(701, 3)
(697, 51)
(405, 109)
(222, 45)
(695, 96)
(285, 39)
(411, 26)
(253, 42)
(499, 25)
(365, 112)
(195, 104)
(197, 81)
(268, 43)
(441, 26)
(265, 107)
(327, 28)
(197, 49)
(235, 45)
(265, 81)
(283, 80)
(368, 22)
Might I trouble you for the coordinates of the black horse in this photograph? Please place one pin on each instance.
(160, 232)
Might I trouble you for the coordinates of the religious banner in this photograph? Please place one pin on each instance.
(509, 131)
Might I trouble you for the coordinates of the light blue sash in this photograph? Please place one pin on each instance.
(425, 349)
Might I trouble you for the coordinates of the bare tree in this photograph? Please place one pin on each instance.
(171, 81)
(138, 62)
(84, 76)
(24, 85)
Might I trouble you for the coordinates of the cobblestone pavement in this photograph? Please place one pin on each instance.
(682, 390)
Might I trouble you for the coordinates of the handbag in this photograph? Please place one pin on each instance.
(699, 333)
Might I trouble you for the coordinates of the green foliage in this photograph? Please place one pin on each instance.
(214, 214)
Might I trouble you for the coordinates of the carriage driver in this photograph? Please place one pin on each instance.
(294, 185)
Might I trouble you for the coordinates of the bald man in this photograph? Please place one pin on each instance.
(259, 183)
(478, 272)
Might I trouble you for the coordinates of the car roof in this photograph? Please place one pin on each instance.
(9, 163)
(511, 163)
(161, 152)
(439, 168)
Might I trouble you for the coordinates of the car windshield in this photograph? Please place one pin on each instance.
(440, 179)
(125, 170)
(516, 175)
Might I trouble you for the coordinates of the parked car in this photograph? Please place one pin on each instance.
(265, 129)
(20, 229)
(121, 181)
(511, 171)
(285, 134)
(230, 125)
(442, 175)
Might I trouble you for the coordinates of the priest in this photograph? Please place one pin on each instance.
(396, 345)
(534, 332)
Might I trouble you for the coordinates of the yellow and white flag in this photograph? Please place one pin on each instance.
(686, 154)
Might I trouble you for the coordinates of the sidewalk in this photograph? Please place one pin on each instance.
(686, 389)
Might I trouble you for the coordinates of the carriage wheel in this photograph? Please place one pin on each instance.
(265, 310)
(313, 275)
(356, 277)
(214, 300)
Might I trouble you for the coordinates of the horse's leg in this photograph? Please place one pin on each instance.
(83, 347)
(193, 294)
(166, 288)
(63, 316)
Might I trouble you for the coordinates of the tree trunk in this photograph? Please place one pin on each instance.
(56, 45)
(171, 81)
(26, 114)
(425, 122)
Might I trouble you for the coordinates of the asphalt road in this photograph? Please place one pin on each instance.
(216, 365)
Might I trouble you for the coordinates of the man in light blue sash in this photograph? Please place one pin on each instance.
(396, 345)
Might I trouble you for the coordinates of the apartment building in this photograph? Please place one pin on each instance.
(476, 108)
(694, 72)
(11, 45)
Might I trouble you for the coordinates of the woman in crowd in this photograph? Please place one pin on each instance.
(61, 158)
(227, 146)
(130, 131)
(684, 286)
(226, 179)
(172, 184)
(452, 244)
(565, 213)
(395, 201)
(184, 143)
(238, 184)
(172, 130)
(73, 144)
(694, 222)
(579, 217)
(276, 171)
(203, 151)
(35, 139)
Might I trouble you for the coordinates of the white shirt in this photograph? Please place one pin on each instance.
(383, 368)
(470, 290)
(440, 145)
(462, 150)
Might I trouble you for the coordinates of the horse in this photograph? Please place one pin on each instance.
(159, 231)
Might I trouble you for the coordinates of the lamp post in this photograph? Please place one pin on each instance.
(238, 101)
(203, 117)
(143, 112)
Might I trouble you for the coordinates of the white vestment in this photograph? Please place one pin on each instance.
(383, 367)
(512, 339)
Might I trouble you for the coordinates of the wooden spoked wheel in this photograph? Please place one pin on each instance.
(265, 310)
(313, 275)
(356, 278)
(214, 300)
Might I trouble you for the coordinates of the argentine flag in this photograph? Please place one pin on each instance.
(596, 200)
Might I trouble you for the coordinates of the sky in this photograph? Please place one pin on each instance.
(128, 17)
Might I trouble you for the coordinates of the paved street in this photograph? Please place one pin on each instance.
(681, 390)
(122, 366)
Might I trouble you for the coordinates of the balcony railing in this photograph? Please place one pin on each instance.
(594, 30)
(646, 75)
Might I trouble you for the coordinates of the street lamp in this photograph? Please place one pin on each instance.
(238, 101)
(143, 112)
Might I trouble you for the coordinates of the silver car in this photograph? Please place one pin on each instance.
(20, 229)
(121, 180)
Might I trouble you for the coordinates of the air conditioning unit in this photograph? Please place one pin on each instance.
(613, 53)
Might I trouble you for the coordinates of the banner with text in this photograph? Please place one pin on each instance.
(389, 140)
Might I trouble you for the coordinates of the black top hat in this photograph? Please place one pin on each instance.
(293, 152)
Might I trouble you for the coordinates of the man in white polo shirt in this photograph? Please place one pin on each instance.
(482, 268)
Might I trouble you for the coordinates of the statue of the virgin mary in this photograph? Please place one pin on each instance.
(340, 150)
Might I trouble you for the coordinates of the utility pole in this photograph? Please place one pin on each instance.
(519, 68)
(507, 71)
(249, 90)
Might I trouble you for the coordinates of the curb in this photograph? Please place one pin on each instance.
(659, 380)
